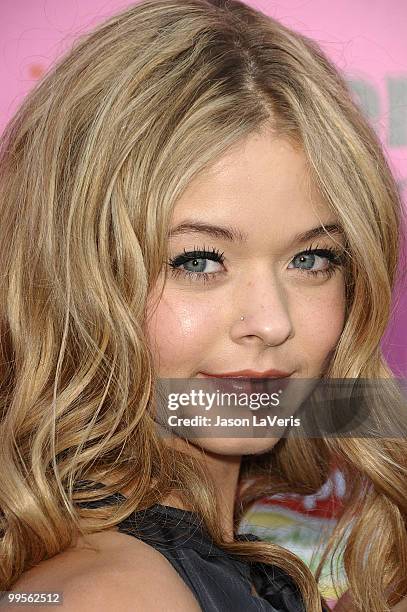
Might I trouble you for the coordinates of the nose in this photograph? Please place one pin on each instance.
(266, 314)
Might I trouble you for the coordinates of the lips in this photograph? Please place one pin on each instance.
(250, 381)
(250, 374)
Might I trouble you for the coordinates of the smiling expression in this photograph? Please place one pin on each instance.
(255, 260)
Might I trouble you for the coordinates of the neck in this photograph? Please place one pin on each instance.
(224, 472)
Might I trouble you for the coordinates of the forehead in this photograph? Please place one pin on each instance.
(262, 185)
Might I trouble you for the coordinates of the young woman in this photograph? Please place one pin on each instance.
(190, 192)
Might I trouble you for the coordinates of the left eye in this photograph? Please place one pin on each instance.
(310, 259)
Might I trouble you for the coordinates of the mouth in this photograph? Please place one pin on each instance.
(272, 373)
(250, 383)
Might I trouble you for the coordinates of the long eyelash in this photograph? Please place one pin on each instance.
(336, 259)
(196, 253)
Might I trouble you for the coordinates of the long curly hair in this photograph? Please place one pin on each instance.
(91, 167)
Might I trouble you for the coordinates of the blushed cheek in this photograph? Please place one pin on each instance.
(178, 332)
(324, 325)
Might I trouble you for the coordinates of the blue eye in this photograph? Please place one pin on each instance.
(197, 267)
(313, 257)
(196, 260)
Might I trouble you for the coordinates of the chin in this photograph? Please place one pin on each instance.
(235, 446)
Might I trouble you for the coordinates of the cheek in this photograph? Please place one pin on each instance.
(178, 329)
(320, 321)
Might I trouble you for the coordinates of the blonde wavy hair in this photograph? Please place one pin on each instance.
(91, 167)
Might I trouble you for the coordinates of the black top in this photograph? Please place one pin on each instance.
(220, 581)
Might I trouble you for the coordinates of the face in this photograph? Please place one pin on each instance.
(290, 289)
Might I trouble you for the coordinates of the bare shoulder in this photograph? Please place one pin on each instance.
(118, 572)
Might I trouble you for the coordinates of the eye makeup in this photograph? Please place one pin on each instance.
(335, 259)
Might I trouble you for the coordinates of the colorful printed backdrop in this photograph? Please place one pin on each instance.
(303, 524)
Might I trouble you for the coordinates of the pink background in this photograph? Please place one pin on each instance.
(366, 39)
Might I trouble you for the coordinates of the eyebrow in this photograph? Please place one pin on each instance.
(233, 234)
